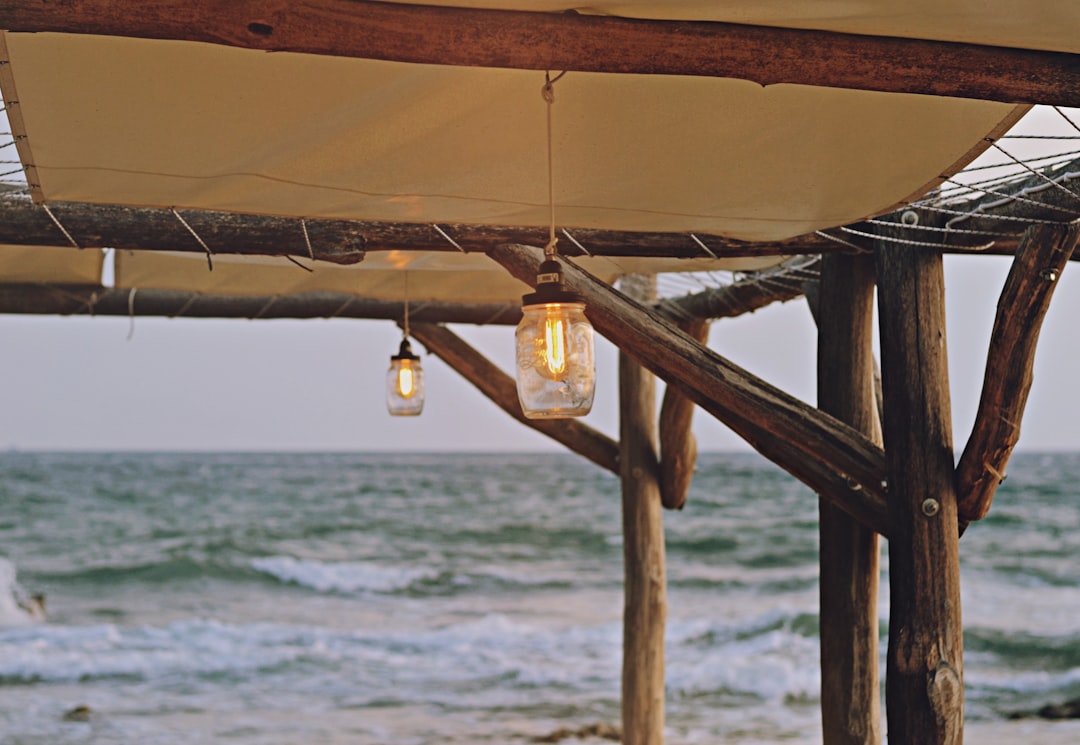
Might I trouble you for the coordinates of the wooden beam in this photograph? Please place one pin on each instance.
(105, 301)
(1025, 298)
(924, 676)
(502, 390)
(678, 446)
(850, 685)
(645, 597)
(756, 291)
(834, 459)
(569, 41)
(23, 223)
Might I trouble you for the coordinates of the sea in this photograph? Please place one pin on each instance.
(280, 599)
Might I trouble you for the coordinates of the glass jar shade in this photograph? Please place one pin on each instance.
(556, 367)
(405, 386)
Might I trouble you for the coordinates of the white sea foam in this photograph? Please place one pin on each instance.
(344, 577)
(73, 653)
(17, 607)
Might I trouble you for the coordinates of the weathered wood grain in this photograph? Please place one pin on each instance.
(23, 223)
(678, 445)
(848, 591)
(1010, 364)
(105, 301)
(569, 41)
(924, 675)
(645, 588)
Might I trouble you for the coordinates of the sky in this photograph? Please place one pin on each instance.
(318, 385)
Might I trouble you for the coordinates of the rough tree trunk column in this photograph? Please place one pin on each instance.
(924, 678)
(645, 612)
(850, 686)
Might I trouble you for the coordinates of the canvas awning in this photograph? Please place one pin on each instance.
(163, 123)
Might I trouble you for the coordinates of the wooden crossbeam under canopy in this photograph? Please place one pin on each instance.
(572, 41)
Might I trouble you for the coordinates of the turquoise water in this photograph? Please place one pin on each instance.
(299, 598)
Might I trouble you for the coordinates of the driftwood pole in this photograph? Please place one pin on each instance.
(850, 693)
(645, 611)
(1010, 364)
(924, 677)
(678, 446)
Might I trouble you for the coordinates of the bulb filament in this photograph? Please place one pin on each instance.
(405, 383)
(555, 345)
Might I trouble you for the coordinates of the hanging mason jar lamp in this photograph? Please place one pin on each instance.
(405, 383)
(405, 379)
(556, 366)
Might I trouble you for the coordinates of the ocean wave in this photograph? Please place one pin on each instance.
(343, 577)
(349, 578)
(157, 572)
(184, 648)
(773, 658)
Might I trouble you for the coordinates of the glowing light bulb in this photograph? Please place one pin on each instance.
(555, 344)
(556, 371)
(405, 383)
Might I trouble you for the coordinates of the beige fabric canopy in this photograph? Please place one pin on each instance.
(382, 276)
(199, 126)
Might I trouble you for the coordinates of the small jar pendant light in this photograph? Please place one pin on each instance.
(556, 370)
(405, 383)
(556, 367)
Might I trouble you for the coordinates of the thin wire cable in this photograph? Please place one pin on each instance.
(1066, 118)
(266, 307)
(307, 239)
(1013, 197)
(989, 215)
(209, 253)
(909, 242)
(935, 229)
(548, 94)
(406, 329)
(131, 313)
(1042, 158)
(342, 308)
(1040, 137)
(187, 304)
(841, 241)
(704, 248)
(575, 242)
(449, 240)
(63, 230)
(1031, 170)
(305, 268)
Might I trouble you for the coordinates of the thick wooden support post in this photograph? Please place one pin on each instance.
(924, 677)
(645, 612)
(678, 446)
(834, 459)
(850, 687)
(1044, 251)
(501, 388)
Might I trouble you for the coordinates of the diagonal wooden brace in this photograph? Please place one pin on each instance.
(1043, 254)
(501, 389)
(832, 458)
